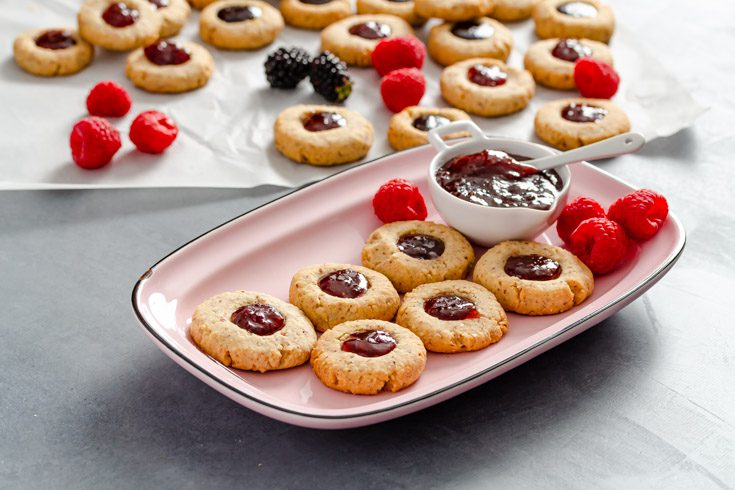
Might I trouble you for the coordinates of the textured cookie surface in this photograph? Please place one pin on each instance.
(93, 28)
(447, 48)
(190, 75)
(551, 22)
(484, 325)
(405, 128)
(316, 16)
(404, 9)
(245, 34)
(553, 72)
(173, 17)
(354, 49)
(214, 332)
(513, 10)
(47, 62)
(453, 10)
(353, 373)
(534, 297)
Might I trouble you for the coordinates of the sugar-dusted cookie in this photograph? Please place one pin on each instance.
(240, 24)
(52, 52)
(513, 10)
(314, 14)
(252, 331)
(551, 61)
(411, 253)
(486, 87)
(570, 123)
(119, 25)
(453, 10)
(410, 127)
(330, 294)
(322, 134)
(402, 8)
(588, 19)
(453, 316)
(170, 67)
(477, 38)
(534, 278)
(354, 38)
(173, 15)
(365, 357)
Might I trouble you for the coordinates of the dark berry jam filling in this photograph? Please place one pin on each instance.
(159, 4)
(570, 50)
(532, 267)
(497, 179)
(487, 76)
(427, 123)
(120, 15)
(258, 319)
(345, 283)
(473, 30)
(166, 53)
(423, 247)
(371, 343)
(581, 10)
(55, 40)
(239, 13)
(322, 121)
(315, 2)
(583, 113)
(451, 308)
(371, 30)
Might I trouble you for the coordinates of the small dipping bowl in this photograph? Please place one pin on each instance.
(487, 225)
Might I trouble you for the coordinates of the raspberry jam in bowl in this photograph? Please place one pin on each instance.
(482, 188)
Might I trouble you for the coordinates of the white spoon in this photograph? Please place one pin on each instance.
(611, 147)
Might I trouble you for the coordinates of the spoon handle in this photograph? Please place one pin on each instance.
(611, 147)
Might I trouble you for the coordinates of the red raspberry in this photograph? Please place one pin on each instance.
(642, 213)
(574, 213)
(153, 132)
(399, 200)
(108, 99)
(93, 142)
(600, 243)
(595, 78)
(398, 52)
(402, 88)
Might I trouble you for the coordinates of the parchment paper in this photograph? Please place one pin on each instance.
(225, 137)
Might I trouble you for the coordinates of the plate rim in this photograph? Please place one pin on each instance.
(652, 277)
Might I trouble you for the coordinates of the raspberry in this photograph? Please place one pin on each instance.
(574, 213)
(402, 88)
(399, 200)
(153, 132)
(642, 213)
(93, 142)
(595, 78)
(398, 52)
(108, 99)
(600, 243)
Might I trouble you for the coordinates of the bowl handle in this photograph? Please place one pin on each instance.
(435, 135)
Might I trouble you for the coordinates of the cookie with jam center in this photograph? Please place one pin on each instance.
(322, 134)
(487, 87)
(476, 38)
(252, 331)
(366, 357)
(174, 14)
(170, 67)
(332, 293)
(453, 10)
(52, 52)
(570, 123)
(410, 127)
(314, 14)
(453, 316)
(240, 24)
(353, 39)
(404, 9)
(534, 278)
(119, 25)
(551, 61)
(587, 19)
(411, 253)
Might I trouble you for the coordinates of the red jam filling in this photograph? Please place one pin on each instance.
(322, 121)
(583, 113)
(570, 50)
(55, 40)
(159, 4)
(239, 13)
(451, 308)
(487, 76)
(581, 10)
(120, 15)
(345, 283)
(532, 267)
(166, 53)
(371, 343)
(427, 123)
(370, 30)
(423, 247)
(473, 30)
(258, 319)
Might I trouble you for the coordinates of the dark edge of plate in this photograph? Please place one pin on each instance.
(664, 268)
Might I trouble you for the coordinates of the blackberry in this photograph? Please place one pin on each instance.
(286, 67)
(329, 77)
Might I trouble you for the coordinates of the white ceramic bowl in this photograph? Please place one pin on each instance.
(485, 225)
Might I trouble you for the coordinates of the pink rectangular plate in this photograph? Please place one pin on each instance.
(329, 222)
